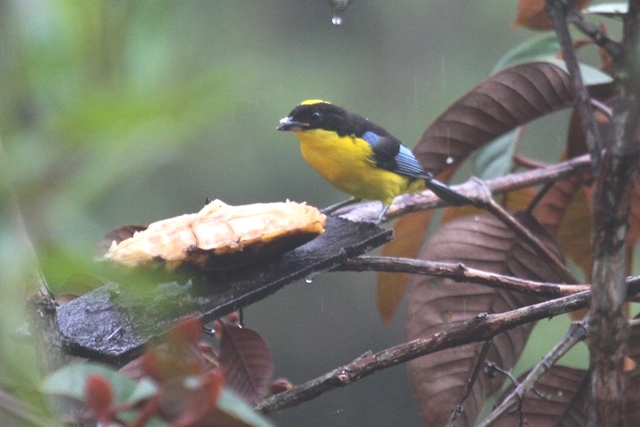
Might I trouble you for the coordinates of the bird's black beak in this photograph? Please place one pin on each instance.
(288, 124)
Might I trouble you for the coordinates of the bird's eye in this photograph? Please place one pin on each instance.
(315, 115)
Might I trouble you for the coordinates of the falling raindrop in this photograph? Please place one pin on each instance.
(337, 7)
(449, 160)
(241, 318)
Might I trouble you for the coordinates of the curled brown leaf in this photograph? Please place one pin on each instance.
(435, 304)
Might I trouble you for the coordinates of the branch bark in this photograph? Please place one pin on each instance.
(408, 203)
(577, 332)
(608, 328)
(480, 328)
(460, 273)
(558, 11)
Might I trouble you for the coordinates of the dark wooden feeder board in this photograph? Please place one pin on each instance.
(112, 324)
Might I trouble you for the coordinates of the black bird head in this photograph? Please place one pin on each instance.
(318, 114)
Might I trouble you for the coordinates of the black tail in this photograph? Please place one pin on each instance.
(446, 194)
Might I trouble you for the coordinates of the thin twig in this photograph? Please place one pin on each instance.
(470, 383)
(576, 333)
(557, 11)
(506, 373)
(589, 29)
(460, 273)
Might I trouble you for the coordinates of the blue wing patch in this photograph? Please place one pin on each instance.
(392, 155)
(371, 137)
(408, 165)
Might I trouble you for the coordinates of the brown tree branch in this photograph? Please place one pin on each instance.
(528, 162)
(470, 383)
(589, 29)
(425, 200)
(480, 328)
(460, 273)
(608, 327)
(558, 11)
(576, 333)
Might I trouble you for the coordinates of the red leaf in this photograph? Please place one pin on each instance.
(191, 401)
(186, 331)
(531, 14)
(98, 396)
(245, 361)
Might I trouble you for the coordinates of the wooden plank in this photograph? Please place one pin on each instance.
(112, 324)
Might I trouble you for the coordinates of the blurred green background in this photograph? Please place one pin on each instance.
(115, 112)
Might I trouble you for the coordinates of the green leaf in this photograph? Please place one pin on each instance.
(70, 381)
(145, 388)
(544, 48)
(233, 405)
(591, 76)
(128, 417)
(494, 159)
(537, 48)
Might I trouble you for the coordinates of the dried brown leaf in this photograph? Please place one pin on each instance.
(505, 100)
(565, 212)
(434, 304)
(409, 232)
(245, 361)
(632, 404)
(564, 390)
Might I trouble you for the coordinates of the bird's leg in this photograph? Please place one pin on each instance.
(332, 208)
(385, 208)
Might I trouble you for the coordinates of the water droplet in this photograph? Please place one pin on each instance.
(337, 7)
(450, 160)
(309, 279)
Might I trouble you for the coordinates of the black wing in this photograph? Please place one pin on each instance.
(392, 155)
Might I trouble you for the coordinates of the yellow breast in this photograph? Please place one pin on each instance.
(346, 162)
